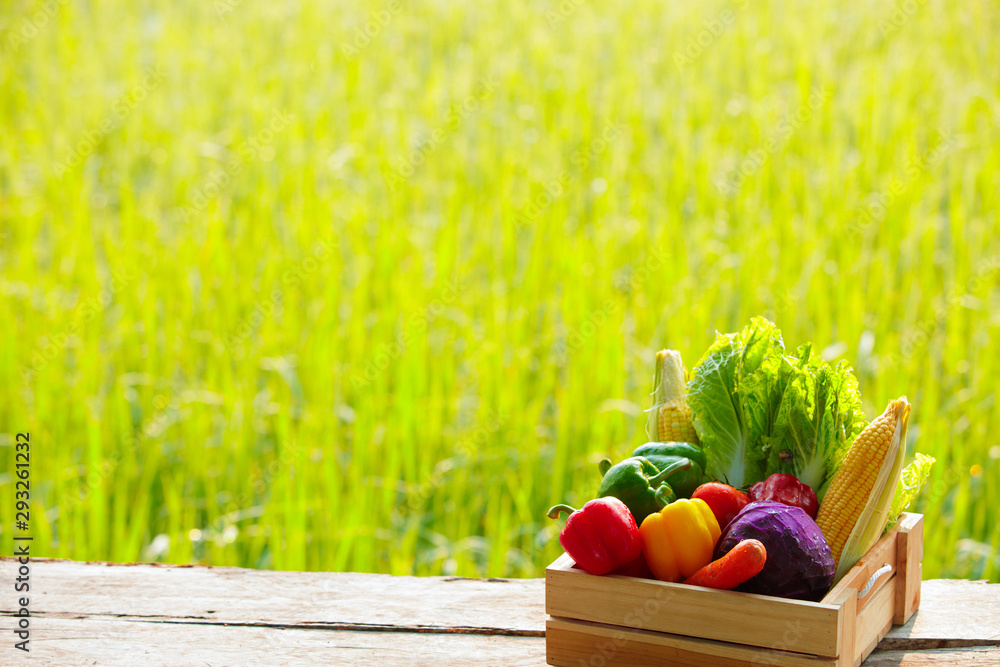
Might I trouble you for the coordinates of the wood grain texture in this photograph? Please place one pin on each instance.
(874, 621)
(285, 599)
(727, 616)
(847, 622)
(953, 613)
(968, 656)
(884, 551)
(109, 642)
(909, 553)
(572, 643)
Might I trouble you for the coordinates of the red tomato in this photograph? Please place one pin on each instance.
(725, 501)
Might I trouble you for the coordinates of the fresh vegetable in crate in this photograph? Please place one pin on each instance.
(664, 454)
(642, 486)
(670, 417)
(799, 562)
(725, 501)
(758, 411)
(777, 424)
(679, 540)
(743, 561)
(601, 536)
(786, 489)
(855, 510)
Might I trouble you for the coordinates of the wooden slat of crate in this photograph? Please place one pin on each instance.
(909, 553)
(738, 618)
(874, 621)
(572, 643)
(884, 551)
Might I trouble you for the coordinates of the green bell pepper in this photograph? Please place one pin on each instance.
(640, 484)
(662, 454)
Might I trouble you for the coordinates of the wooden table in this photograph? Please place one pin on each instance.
(114, 614)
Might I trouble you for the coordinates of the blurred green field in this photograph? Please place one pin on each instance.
(334, 286)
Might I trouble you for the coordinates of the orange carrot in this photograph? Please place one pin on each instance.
(745, 560)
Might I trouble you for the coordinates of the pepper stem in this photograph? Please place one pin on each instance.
(604, 466)
(679, 464)
(556, 510)
(664, 495)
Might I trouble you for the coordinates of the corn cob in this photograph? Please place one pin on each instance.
(856, 505)
(670, 417)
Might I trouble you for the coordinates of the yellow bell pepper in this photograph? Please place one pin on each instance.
(679, 539)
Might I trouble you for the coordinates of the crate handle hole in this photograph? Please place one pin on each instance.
(885, 569)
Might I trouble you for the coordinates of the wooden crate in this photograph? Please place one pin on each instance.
(616, 620)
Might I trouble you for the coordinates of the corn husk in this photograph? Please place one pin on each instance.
(911, 481)
(669, 392)
(875, 515)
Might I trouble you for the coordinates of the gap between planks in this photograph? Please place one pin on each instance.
(318, 625)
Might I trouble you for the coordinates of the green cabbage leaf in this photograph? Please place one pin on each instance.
(758, 411)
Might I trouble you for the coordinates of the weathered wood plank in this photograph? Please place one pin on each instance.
(957, 656)
(112, 642)
(273, 598)
(953, 613)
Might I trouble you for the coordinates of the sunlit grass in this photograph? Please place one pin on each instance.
(386, 333)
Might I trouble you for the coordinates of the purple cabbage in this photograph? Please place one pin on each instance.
(799, 561)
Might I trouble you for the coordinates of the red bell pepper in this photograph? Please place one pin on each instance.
(725, 501)
(788, 490)
(601, 536)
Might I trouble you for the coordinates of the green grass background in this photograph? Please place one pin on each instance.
(396, 329)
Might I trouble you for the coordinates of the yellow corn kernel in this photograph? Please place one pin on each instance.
(670, 417)
(854, 481)
(675, 423)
